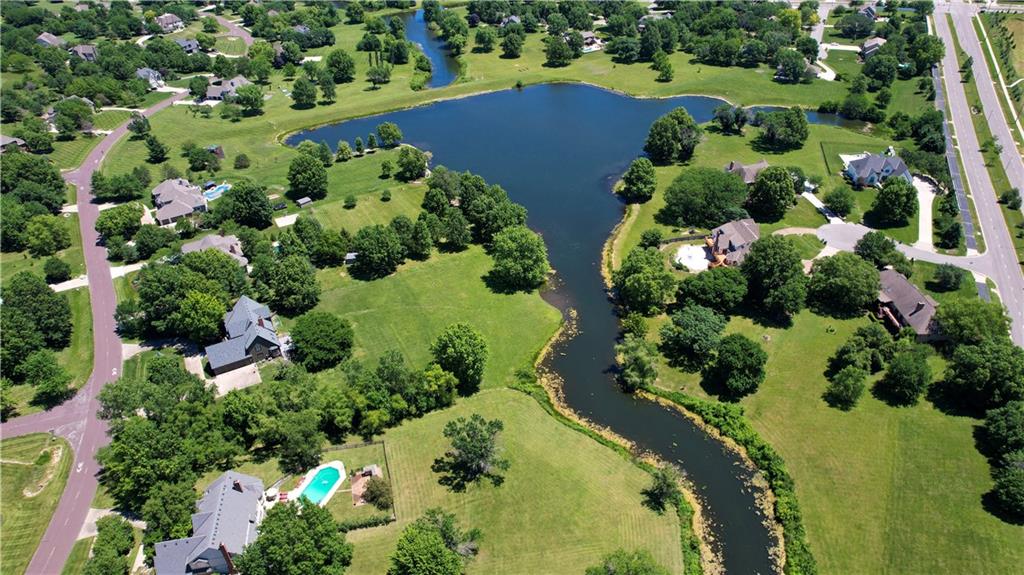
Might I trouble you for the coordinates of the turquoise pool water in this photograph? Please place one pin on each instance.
(214, 193)
(322, 483)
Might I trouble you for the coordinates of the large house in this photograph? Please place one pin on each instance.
(730, 242)
(902, 305)
(189, 45)
(873, 169)
(226, 520)
(871, 11)
(169, 23)
(49, 40)
(251, 337)
(748, 172)
(87, 52)
(870, 46)
(175, 199)
(9, 143)
(155, 79)
(221, 89)
(226, 244)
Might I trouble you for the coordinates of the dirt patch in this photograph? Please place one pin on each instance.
(49, 471)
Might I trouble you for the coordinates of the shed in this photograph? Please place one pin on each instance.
(303, 202)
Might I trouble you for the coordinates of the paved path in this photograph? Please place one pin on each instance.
(1004, 269)
(73, 283)
(235, 30)
(76, 420)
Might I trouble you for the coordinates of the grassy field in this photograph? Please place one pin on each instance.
(68, 154)
(230, 46)
(76, 358)
(11, 263)
(110, 119)
(79, 555)
(28, 465)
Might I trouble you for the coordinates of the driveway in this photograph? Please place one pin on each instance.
(925, 199)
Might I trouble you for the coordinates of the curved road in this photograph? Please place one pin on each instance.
(76, 419)
(234, 29)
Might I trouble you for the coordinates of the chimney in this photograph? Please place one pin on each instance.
(919, 306)
(237, 486)
(227, 557)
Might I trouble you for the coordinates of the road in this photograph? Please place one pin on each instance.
(76, 419)
(235, 30)
(1002, 264)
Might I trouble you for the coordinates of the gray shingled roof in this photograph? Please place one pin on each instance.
(188, 45)
(49, 39)
(226, 244)
(876, 164)
(734, 239)
(748, 172)
(915, 308)
(227, 514)
(246, 312)
(221, 88)
(247, 321)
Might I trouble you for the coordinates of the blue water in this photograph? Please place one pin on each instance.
(446, 67)
(214, 193)
(322, 483)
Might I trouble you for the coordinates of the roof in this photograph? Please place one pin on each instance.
(748, 172)
(188, 44)
(246, 312)
(8, 140)
(227, 514)
(226, 244)
(734, 239)
(864, 167)
(85, 51)
(168, 19)
(247, 322)
(174, 210)
(177, 189)
(301, 28)
(49, 39)
(220, 88)
(873, 42)
(511, 20)
(148, 73)
(916, 309)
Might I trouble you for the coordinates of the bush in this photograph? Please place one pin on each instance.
(846, 387)
(739, 367)
(948, 277)
(350, 201)
(378, 493)
(840, 201)
(241, 162)
(1011, 198)
(56, 270)
(321, 340)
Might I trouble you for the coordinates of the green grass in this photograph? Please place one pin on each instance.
(802, 215)
(808, 245)
(565, 502)
(845, 62)
(230, 45)
(76, 358)
(110, 119)
(410, 308)
(79, 555)
(137, 366)
(13, 263)
(68, 154)
(25, 518)
(882, 489)
(923, 277)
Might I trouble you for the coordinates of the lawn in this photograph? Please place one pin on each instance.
(76, 358)
(407, 310)
(27, 465)
(808, 245)
(68, 154)
(12, 263)
(230, 46)
(79, 555)
(110, 119)
(846, 63)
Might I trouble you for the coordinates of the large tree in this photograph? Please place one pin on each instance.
(321, 340)
(379, 251)
(637, 363)
(123, 220)
(433, 545)
(293, 285)
(690, 339)
(307, 177)
(771, 194)
(739, 366)
(520, 259)
(639, 181)
(412, 164)
(704, 197)
(462, 351)
(673, 137)
(199, 316)
(474, 453)
(721, 289)
(784, 129)
(896, 202)
(168, 513)
(775, 275)
(843, 284)
(987, 374)
(48, 311)
(907, 377)
(623, 562)
(296, 539)
(642, 283)
(972, 321)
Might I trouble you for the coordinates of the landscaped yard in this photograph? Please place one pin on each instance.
(11, 263)
(34, 468)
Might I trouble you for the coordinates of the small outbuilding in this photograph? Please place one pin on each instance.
(303, 202)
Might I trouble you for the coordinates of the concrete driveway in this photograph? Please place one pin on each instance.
(240, 378)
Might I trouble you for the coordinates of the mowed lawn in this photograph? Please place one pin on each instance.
(11, 263)
(882, 489)
(566, 500)
(24, 518)
(409, 309)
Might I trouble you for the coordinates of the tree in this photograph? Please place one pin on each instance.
(390, 134)
(784, 129)
(642, 283)
(378, 493)
(461, 351)
(704, 197)
(152, 238)
(1003, 431)
(772, 193)
(689, 340)
(512, 46)
(344, 152)
(293, 285)
(948, 277)
(421, 241)
(721, 289)
(926, 51)
(247, 204)
(327, 87)
(739, 366)
(651, 238)
(988, 374)
(791, 65)
(49, 312)
(49, 379)
(840, 201)
(558, 53)
(843, 285)
(907, 377)
(157, 151)
(105, 561)
(304, 93)
(881, 70)
(846, 387)
(663, 492)
(1008, 492)
(971, 321)
(639, 181)
(307, 177)
(123, 220)
(731, 118)
(46, 235)
(520, 259)
(56, 270)
(199, 316)
(485, 39)
(474, 454)
(896, 202)
(250, 98)
(636, 360)
(378, 75)
(775, 276)
(880, 250)
(456, 230)
(379, 250)
(138, 125)
(423, 549)
(1011, 198)
(321, 340)
(168, 513)
(386, 167)
(622, 562)
(412, 164)
(672, 137)
(341, 65)
(297, 539)
(855, 25)
(302, 440)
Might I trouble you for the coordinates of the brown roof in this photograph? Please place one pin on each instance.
(733, 239)
(748, 172)
(913, 308)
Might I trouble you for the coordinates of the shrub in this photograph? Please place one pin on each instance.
(350, 201)
(846, 388)
(56, 270)
(241, 162)
(378, 493)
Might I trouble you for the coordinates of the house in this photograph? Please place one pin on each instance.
(87, 52)
(901, 304)
(154, 78)
(229, 245)
(227, 518)
(873, 169)
(49, 40)
(870, 46)
(82, 7)
(251, 337)
(279, 56)
(301, 28)
(747, 172)
(871, 11)
(591, 43)
(221, 89)
(642, 22)
(730, 242)
(169, 23)
(10, 143)
(189, 45)
(175, 199)
(507, 20)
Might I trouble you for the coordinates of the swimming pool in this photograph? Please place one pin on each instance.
(215, 193)
(323, 482)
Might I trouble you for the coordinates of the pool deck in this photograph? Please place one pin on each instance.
(296, 494)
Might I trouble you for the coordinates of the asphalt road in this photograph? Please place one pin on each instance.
(235, 30)
(76, 419)
(1002, 266)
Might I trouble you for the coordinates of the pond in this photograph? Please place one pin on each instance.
(445, 67)
(558, 149)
